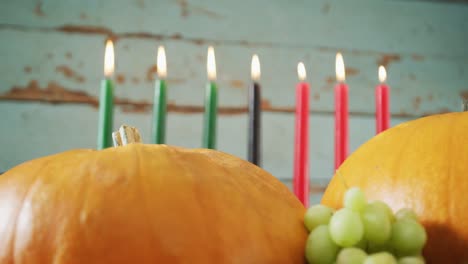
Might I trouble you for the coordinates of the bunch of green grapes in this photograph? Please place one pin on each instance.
(363, 233)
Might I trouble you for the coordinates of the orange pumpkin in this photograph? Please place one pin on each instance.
(147, 204)
(423, 165)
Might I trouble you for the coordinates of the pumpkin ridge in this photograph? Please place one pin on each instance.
(413, 133)
(452, 184)
(144, 194)
(273, 185)
(27, 193)
(86, 188)
(449, 186)
(69, 194)
(179, 158)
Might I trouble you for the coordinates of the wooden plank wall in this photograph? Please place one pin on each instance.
(51, 61)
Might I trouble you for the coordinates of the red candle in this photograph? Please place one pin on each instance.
(341, 113)
(382, 104)
(301, 140)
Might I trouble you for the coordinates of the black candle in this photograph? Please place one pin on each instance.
(254, 130)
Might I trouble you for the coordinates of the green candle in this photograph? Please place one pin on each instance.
(211, 110)
(159, 112)
(106, 100)
(211, 103)
(159, 103)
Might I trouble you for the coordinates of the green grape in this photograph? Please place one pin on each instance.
(408, 237)
(406, 213)
(377, 226)
(384, 207)
(320, 248)
(351, 256)
(400, 254)
(317, 215)
(376, 248)
(381, 258)
(354, 199)
(346, 227)
(411, 260)
(362, 244)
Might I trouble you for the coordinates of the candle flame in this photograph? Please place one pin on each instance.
(255, 68)
(382, 74)
(301, 71)
(109, 58)
(161, 63)
(340, 68)
(211, 64)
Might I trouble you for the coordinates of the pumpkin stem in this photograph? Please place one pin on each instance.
(126, 135)
(465, 105)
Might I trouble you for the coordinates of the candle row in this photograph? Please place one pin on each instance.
(301, 142)
(301, 145)
(159, 103)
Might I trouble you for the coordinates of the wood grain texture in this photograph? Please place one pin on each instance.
(51, 63)
(420, 86)
(327, 23)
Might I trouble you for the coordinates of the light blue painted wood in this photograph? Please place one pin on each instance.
(39, 41)
(367, 25)
(418, 87)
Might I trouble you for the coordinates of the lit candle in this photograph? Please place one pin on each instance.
(301, 140)
(382, 105)
(341, 113)
(211, 103)
(254, 153)
(106, 100)
(159, 102)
